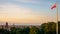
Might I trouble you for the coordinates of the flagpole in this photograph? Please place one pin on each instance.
(57, 19)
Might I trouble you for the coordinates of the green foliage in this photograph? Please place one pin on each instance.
(3, 31)
(49, 28)
(34, 30)
(45, 28)
(26, 30)
(59, 27)
(19, 30)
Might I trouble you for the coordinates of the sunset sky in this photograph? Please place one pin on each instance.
(28, 11)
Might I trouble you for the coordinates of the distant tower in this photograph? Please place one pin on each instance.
(6, 26)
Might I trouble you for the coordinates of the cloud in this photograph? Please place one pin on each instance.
(24, 1)
(11, 11)
(14, 9)
(28, 1)
(15, 13)
(34, 2)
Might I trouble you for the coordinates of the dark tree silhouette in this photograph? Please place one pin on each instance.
(58, 27)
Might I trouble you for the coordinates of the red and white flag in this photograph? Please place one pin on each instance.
(54, 6)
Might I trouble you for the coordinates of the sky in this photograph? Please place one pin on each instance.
(28, 11)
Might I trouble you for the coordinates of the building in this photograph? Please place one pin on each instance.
(6, 25)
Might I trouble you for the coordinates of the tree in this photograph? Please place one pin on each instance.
(26, 30)
(19, 30)
(58, 27)
(44, 28)
(4, 31)
(48, 28)
(52, 27)
(13, 30)
(34, 30)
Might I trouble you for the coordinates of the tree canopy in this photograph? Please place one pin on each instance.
(45, 28)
